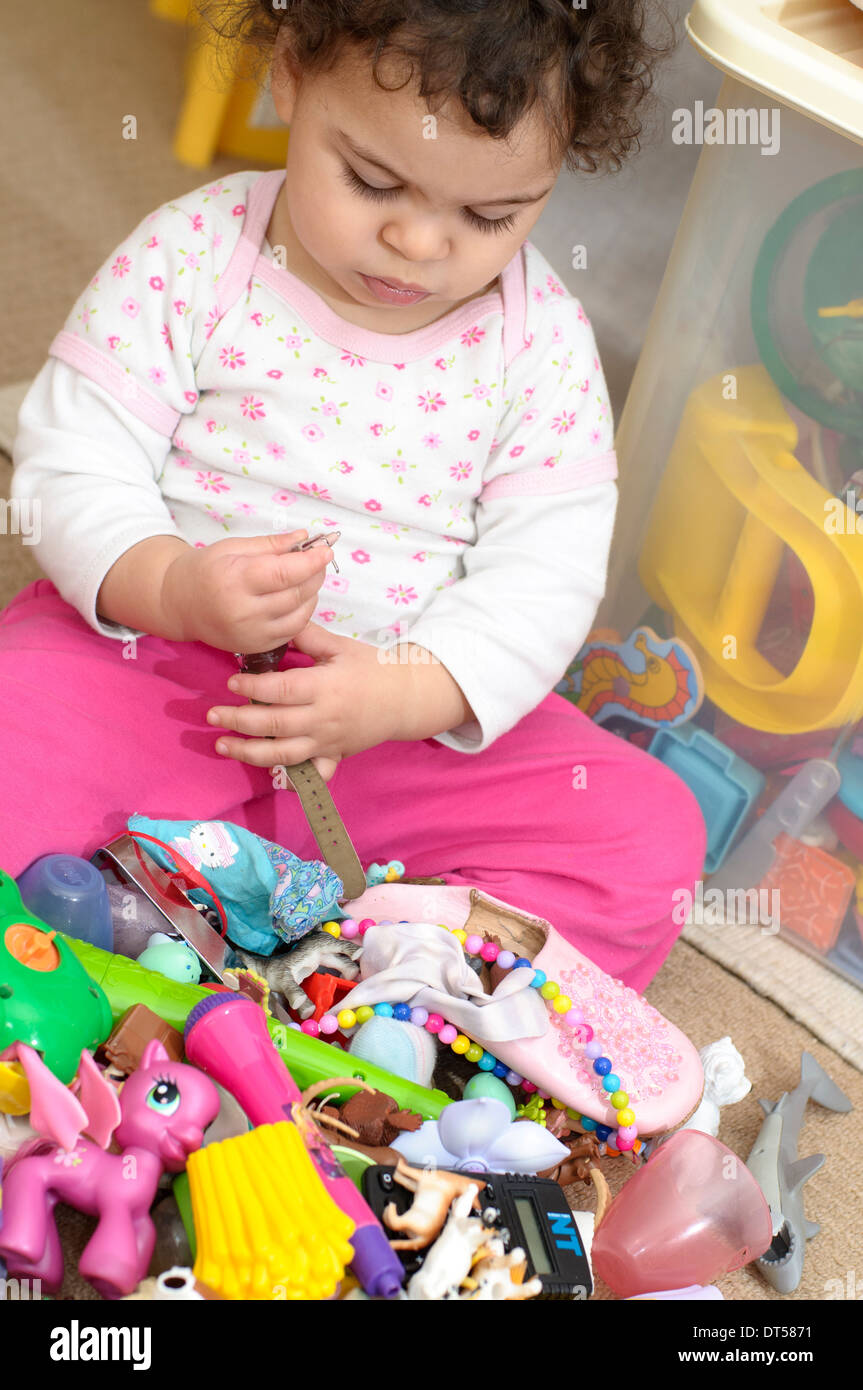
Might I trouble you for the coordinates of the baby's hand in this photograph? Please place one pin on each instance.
(245, 595)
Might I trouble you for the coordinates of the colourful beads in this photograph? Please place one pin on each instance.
(561, 1005)
(310, 1028)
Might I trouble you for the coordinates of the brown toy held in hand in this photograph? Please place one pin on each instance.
(327, 825)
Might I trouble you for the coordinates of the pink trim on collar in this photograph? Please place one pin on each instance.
(389, 348)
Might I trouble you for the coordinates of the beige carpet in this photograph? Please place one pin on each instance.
(73, 188)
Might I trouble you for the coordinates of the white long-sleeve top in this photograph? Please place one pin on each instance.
(199, 389)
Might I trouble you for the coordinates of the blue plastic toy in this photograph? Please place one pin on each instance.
(724, 785)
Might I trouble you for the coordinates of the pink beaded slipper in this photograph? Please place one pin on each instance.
(655, 1078)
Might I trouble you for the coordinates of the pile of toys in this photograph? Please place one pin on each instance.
(260, 1091)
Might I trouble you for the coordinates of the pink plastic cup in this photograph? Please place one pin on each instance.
(691, 1214)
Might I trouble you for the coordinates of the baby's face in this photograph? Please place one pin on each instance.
(440, 211)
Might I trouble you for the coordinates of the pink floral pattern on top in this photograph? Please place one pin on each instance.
(286, 424)
(635, 1034)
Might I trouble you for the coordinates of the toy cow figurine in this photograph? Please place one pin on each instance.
(158, 1120)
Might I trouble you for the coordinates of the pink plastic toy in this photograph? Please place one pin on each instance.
(158, 1120)
(692, 1213)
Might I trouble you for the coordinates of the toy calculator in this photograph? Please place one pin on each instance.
(530, 1212)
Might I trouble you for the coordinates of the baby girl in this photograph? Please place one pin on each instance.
(364, 342)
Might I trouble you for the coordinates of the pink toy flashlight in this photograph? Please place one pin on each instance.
(228, 1039)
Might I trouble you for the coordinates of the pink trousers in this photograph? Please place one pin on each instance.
(558, 816)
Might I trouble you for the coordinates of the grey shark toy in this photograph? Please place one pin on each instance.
(781, 1173)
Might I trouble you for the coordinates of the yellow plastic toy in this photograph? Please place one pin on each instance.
(224, 111)
(266, 1227)
(14, 1089)
(732, 497)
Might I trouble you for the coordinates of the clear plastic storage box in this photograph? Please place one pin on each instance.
(739, 546)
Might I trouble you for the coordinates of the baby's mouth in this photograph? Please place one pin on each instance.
(389, 293)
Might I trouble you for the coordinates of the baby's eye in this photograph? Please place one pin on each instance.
(490, 224)
(380, 195)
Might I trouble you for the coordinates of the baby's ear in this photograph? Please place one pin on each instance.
(154, 1052)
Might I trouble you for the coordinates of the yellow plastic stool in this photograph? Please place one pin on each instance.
(732, 496)
(218, 116)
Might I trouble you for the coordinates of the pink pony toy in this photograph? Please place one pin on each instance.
(157, 1121)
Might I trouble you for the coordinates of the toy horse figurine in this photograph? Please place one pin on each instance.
(158, 1120)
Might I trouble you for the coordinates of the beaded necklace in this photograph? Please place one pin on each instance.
(623, 1138)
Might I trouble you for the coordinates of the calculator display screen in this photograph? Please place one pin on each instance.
(536, 1246)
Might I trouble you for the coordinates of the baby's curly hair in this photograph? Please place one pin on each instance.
(495, 56)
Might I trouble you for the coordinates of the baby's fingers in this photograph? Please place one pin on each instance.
(261, 721)
(268, 752)
(326, 766)
(295, 576)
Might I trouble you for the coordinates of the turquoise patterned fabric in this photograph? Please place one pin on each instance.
(269, 895)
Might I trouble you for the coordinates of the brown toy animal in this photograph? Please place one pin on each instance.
(375, 1116)
(435, 1190)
